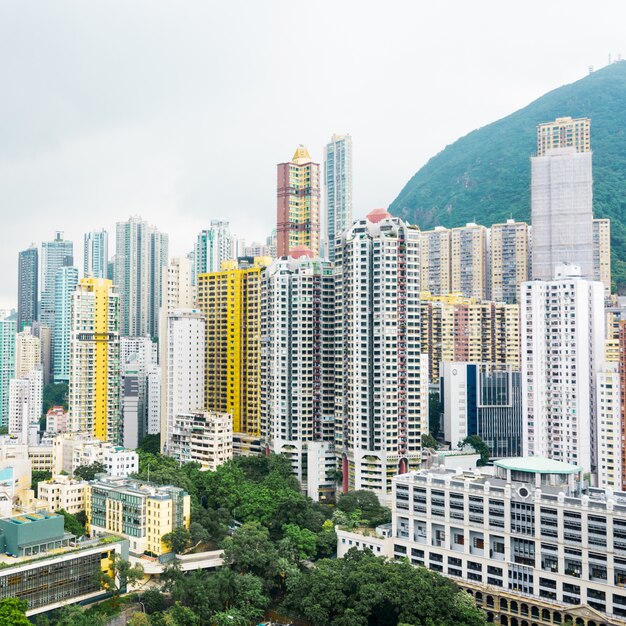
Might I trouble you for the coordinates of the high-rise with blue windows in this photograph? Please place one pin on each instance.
(338, 184)
(7, 366)
(96, 254)
(65, 285)
(27, 287)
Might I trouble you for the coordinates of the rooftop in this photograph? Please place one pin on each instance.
(537, 465)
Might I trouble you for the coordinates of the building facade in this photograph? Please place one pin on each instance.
(435, 262)
(203, 437)
(141, 253)
(562, 198)
(231, 303)
(609, 428)
(27, 352)
(485, 400)
(381, 386)
(527, 539)
(298, 360)
(454, 328)
(65, 285)
(96, 254)
(27, 287)
(138, 511)
(469, 261)
(298, 211)
(213, 246)
(602, 253)
(338, 186)
(562, 340)
(25, 402)
(94, 386)
(7, 366)
(63, 492)
(184, 368)
(510, 260)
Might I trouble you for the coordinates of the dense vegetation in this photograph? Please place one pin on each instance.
(485, 176)
(278, 548)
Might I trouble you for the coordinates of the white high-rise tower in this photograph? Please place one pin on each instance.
(562, 340)
(381, 392)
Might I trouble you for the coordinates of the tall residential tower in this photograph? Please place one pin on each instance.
(27, 287)
(298, 211)
(96, 254)
(94, 389)
(561, 198)
(338, 184)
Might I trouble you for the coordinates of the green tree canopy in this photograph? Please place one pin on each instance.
(72, 524)
(479, 446)
(13, 612)
(371, 511)
(88, 472)
(363, 589)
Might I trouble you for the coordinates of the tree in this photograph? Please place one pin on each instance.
(13, 612)
(301, 541)
(139, 619)
(179, 615)
(54, 394)
(153, 601)
(178, 540)
(372, 513)
(88, 472)
(479, 446)
(72, 525)
(198, 533)
(151, 444)
(434, 413)
(74, 615)
(428, 441)
(251, 551)
(37, 477)
(120, 575)
(363, 589)
(327, 540)
(4, 430)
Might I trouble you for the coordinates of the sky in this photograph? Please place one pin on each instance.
(180, 111)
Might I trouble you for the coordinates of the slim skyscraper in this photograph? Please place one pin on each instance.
(27, 287)
(298, 214)
(298, 366)
(338, 182)
(562, 343)
(96, 254)
(382, 377)
(561, 198)
(66, 283)
(213, 245)
(94, 389)
(7, 366)
(141, 254)
(54, 255)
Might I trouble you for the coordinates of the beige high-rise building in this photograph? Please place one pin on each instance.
(27, 352)
(435, 261)
(601, 253)
(468, 261)
(564, 132)
(455, 328)
(510, 260)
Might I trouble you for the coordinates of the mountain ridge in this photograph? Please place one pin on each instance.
(484, 176)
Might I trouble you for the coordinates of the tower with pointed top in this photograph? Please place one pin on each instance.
(298, 206)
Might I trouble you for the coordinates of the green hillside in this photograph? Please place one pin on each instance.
(485, 176)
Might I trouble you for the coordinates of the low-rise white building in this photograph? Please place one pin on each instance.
(62, 492)
(203, 437)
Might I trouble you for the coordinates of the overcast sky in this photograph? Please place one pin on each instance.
(180, 111)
